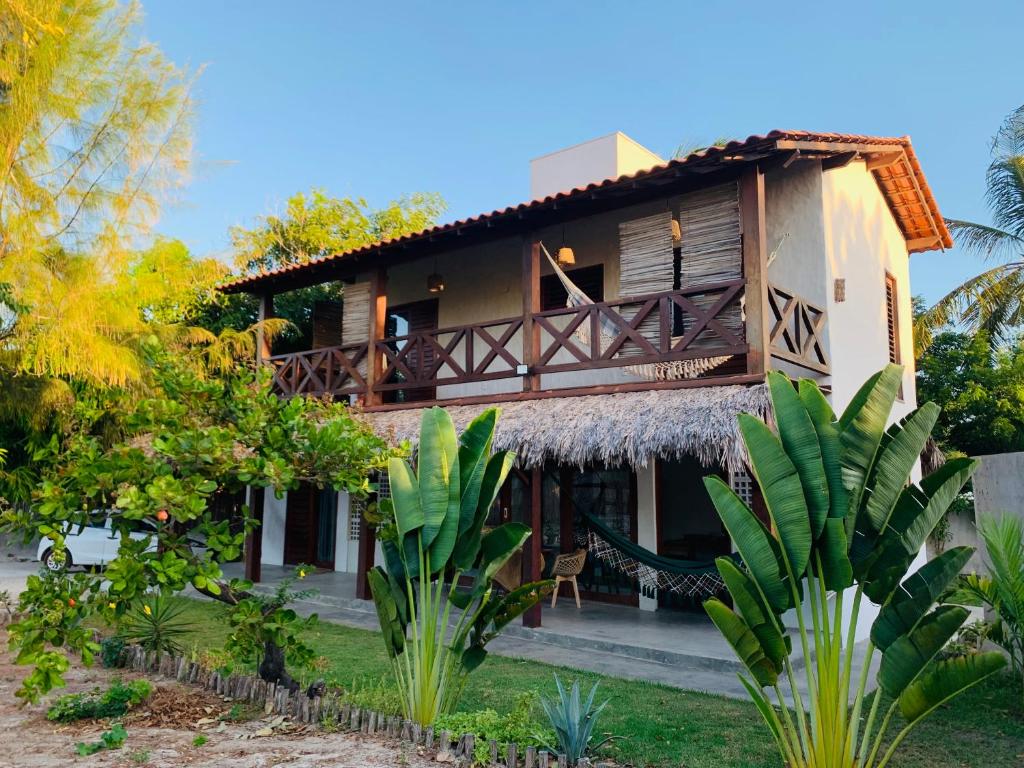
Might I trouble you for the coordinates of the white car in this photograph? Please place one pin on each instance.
(94, 544)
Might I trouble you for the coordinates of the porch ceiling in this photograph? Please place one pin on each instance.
(623, 427)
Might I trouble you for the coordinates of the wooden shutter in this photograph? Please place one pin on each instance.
(892, 317)
(326, 324)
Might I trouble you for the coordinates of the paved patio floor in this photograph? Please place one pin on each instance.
(675, 648)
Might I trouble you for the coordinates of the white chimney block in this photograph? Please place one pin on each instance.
(606, 157)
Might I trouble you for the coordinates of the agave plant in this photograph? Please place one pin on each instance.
(156, 624)
(439, 511)
(846, 523)
(573, 721)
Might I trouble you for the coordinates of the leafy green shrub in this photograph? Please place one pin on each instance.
(199, 740)
(518, 727)
(110, 651)
(114, 702)
(112, 739)
(573, 721)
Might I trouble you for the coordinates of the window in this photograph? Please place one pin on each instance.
(892, 316)
(590, 280)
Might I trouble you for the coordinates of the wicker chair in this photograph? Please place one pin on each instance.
(567, 567)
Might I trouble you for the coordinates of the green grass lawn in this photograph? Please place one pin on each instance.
(666, 726)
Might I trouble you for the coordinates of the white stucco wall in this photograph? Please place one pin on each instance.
(862, 243)
(606, 157)
(274, 514)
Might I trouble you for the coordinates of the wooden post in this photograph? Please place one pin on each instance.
(254, 539)
(377, 322)
(367, 551)
(755, 269)
(532, 548)
(531, 305)
(266, 311)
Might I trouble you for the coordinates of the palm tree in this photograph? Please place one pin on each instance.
(993, 300)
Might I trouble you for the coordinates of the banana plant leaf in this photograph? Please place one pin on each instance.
(753, 610)
(916, 596)
(498, 614)
(496, 547)
(900, 450)
(437, 467)
(467, 547)
(474, 451)
(743, 641)
(824, 421)
(909, 654)
(782, 491)
(405, 494)
(758, 548)
(387, 612)
(945, 679)
(800, 441)
(862, 425)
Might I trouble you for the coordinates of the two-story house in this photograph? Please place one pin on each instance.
(621, 318)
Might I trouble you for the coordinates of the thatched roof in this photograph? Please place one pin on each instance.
(932, 457)
(626, 427)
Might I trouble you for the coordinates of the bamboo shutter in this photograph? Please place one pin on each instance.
(645, 266)
(355, 317)
(711, 249)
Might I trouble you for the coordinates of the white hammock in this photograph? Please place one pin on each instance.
(666, 371)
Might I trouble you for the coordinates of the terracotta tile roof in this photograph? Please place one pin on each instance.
(891, 160)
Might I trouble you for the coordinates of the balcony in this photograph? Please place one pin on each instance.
(628, 343)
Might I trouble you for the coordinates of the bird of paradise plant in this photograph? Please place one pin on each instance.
(846, 523)
(440, 507)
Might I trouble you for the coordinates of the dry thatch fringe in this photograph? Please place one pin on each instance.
(932, 457)
(625, 427)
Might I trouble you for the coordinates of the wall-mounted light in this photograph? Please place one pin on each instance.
(677, 232)
(839, 290)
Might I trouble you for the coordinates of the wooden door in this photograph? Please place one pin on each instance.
(310, 527)
(408, 319)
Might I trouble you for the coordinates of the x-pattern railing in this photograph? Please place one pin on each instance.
(798, 329)
(325, 371)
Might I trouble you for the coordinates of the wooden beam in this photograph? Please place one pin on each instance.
(883, 160)
(601, 389)
(839, 161)
(923, 242)
(377, 322)
(367, 552)
(532, 547)
(531, 306)
(755, 269)
(835, 146)
(266, 311)
(254, 539)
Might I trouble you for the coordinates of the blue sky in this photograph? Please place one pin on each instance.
(379, 99)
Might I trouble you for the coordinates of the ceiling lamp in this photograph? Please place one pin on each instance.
(565, 258)
(435, 283)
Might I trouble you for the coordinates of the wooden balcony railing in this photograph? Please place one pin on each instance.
(797, 330)
(326, 371)
(705, 321)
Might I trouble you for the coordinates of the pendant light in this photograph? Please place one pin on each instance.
(435, 282)
(565, 258)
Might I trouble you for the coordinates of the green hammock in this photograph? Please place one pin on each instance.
(651, 572)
